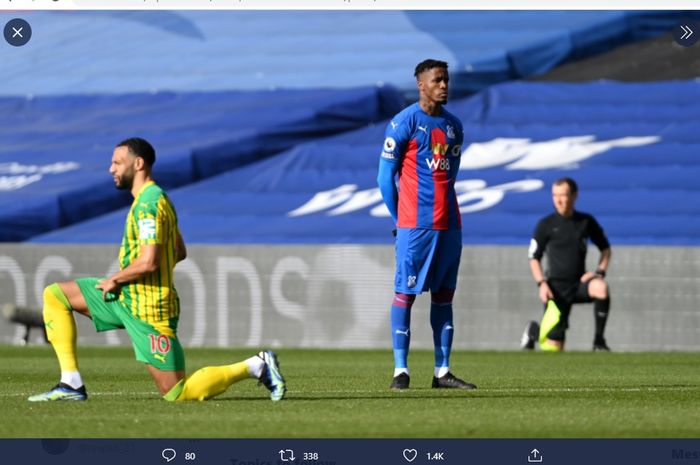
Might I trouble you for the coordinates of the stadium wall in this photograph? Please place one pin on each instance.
(338, 296)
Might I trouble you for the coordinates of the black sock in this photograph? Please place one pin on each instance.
(601, 310)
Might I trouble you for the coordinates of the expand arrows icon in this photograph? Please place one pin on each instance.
(684, 33)
(687, 32)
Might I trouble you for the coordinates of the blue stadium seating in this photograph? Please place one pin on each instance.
(56, 151)
(632, 147)
(170, 77)
(185, 51)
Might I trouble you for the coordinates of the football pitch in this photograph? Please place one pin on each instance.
(334, 393)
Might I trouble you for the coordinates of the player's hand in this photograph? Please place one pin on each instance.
(588, 275)
(545, 293)
(108, 286)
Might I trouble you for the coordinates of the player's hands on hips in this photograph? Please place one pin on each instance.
(108, 286)
(545, 292)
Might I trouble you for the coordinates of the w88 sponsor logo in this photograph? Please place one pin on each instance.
(441, 164)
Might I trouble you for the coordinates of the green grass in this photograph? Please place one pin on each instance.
(345, 394)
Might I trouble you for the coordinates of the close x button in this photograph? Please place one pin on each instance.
(17, 32)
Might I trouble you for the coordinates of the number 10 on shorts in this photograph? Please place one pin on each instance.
(160, 344)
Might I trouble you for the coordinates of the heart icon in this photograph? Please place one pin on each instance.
(410, 454)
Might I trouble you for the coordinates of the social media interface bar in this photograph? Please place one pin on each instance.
(351, 451)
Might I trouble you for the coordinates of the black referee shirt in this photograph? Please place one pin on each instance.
(565, 242)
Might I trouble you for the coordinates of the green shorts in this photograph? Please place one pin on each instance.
(159, 348)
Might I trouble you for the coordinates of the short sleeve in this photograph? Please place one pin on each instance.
(597, 234)
(538, 243)
(149, 222)
(396, 137)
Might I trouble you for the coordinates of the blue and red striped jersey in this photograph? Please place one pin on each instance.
(428, 150)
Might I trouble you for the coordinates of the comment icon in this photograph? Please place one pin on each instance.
(168, 454)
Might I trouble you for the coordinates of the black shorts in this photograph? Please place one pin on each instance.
(567, 293)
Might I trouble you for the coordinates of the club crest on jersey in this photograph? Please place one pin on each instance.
(450, 132)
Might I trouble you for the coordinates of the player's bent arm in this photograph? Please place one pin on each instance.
(536, 270)
(387, 186)
(147, 262)
(543, 290)
(604, 261)
(180, 249)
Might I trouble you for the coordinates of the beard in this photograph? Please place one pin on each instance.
(124, 182)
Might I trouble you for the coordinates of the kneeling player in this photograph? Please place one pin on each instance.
(142, 299)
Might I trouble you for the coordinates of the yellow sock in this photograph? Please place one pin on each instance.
(208, 382)
(60, 327)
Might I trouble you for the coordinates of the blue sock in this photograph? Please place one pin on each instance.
(400, 328)
(441, 322)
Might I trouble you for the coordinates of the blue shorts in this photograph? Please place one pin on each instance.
(427, 259)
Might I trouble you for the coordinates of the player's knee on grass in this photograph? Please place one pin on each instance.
(165, 380)
(552, 346)
(554, 339)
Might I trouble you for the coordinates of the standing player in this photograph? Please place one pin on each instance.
(142, 299)
(563, 236)
(423, 146)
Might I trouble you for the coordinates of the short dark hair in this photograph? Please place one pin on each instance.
(141, 148)
(573, 187)
(429, 64)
